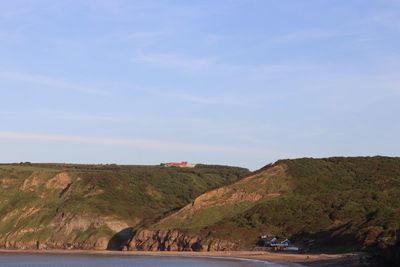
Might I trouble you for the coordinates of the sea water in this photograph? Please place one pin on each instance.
(47, 260)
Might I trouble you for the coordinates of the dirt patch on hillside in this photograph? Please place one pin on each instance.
(242, 195)
(68, 223)
(7, 182)
(208, 199)
(248, 190)
(274, 195)
(115, 224)
(10, 215)
(218, 197)
(27, 212)
(94, 192)
(264, 177)
(31, 183)
(60, 181)
(232, 194)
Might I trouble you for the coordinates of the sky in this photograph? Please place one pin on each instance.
(235, 82)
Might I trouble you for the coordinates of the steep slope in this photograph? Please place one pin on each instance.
(213, 206)
(83, 206)
(341, 203)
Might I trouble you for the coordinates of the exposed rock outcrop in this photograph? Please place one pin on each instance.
(68, 206)
(173, 240)
(67, 231)
(98, 244)
(7, 183)
(60, 181)
(31, 183)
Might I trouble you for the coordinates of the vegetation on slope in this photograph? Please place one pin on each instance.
(341, 203)
(84, 205)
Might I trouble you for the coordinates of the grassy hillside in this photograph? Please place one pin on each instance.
(341, 203)
(85, 205)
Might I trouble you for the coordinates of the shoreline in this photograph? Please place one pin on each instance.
(346, 259)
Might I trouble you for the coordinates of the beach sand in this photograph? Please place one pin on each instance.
(327, 260)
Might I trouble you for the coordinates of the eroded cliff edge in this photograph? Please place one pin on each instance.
(60, 206)
(338, 203)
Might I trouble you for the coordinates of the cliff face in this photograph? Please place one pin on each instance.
(94, 244)
(229, 200)
(64, 231)
(84, 206)
(173, 240)
(340, 203)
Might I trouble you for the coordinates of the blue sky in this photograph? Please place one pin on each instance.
(228, 82)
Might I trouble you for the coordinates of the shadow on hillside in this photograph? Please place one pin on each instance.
(388, 256)
(121, 240)
(335, 240)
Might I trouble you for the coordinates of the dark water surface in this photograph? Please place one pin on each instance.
(35, 260)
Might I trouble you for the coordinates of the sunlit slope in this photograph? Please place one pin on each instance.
(343, 203)
(227, 201)
(84, 206)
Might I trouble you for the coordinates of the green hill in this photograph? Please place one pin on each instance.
(83, 206)
(343, 204)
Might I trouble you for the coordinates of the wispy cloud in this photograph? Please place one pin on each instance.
(310, 35)
(197, 98)
(272, 69)
(183, 63)
(79, 117)
(50, 82)
(135, 143)
(389, 19)
(392, 86)
(8, 113)
(145, 10)
(135, 39)
(9, 36)
(174, 61)
(65, 116)
(209, 100)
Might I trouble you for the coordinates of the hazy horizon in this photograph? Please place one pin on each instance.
(241, 83)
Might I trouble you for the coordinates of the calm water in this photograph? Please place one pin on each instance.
(29, 260)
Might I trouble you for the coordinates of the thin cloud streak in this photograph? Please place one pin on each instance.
(211, 100)
(136, 143)
(174, 61)
(310, 35)
(51, 82)
(183, 96)
(56, 115)
(390, 20)
(183, 63)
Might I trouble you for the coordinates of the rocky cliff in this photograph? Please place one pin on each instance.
(342, 204)
(173, 240)
(85, 206)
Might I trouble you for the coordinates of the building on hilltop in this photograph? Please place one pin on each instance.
(183, 164)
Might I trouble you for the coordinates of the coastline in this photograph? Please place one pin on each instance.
(346, 259)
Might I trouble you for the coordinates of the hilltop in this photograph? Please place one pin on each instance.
(324, 205)
(341, 204)
(84, 206)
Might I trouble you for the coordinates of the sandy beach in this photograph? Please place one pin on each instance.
(348, 259)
